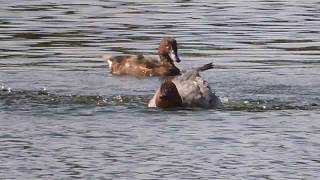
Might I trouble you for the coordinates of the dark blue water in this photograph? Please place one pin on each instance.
(64, 116)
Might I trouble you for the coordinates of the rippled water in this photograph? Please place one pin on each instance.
(63, 116)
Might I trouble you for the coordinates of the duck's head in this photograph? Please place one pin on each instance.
(168, 96)
(168, 50)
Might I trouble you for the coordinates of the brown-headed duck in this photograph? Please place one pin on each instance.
(187, 90)
(142, 66)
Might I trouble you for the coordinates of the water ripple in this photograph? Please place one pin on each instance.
(89, 124)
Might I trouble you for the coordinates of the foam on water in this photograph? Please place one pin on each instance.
(23, 98)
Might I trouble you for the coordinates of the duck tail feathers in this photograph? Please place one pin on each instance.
(206, 67)
(108, 58)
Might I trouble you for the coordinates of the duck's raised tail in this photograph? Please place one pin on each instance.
(205, 67)
(107, 58)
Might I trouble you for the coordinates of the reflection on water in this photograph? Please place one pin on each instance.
(62, 115)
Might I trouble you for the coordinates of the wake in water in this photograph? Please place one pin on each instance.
(21, 99)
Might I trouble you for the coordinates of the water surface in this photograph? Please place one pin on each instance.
(64, 116)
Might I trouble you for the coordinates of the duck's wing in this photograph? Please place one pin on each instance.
(188, 90)
(197, 93)
(148, 62)
(193, 92)
(208, 97)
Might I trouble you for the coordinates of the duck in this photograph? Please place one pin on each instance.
(145, 66)
(186, 90)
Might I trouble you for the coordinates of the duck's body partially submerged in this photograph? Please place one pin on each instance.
(190, 88)
(142, 66)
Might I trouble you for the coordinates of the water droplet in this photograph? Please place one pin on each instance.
(43, 91)
(119, 98)
(224, 99)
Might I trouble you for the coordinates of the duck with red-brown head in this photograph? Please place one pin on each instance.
(168, 96)
(187, 90)
(143, 66)
(168, 51)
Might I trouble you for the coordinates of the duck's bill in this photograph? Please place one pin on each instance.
(174, 56)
